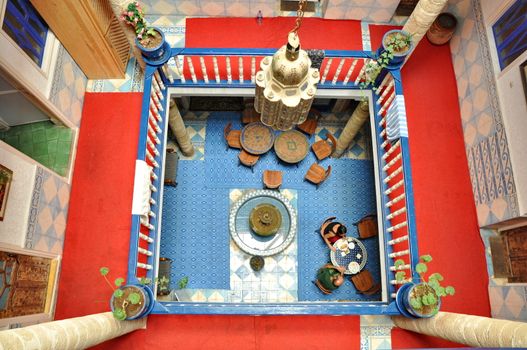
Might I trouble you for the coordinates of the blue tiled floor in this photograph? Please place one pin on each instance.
(195, 214)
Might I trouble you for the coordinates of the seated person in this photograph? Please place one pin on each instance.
(329, 278)
(332, 232)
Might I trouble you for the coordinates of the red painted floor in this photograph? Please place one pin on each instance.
(99, 221)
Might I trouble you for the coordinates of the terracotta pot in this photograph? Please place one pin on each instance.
(442, 29)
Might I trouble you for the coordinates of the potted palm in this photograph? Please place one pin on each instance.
(150, 40)
(129, 301)
(423, 299)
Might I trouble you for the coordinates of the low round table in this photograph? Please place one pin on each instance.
(291, 146)
(257, 138)
(355, 254)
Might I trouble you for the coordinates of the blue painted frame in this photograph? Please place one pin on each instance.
(515, 21)
(21, 35)
(307, 308)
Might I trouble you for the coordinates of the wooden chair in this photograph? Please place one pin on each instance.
(364, 283)
(248, 159)
(367, 226)
(310, 125)
(232, 136)
(323, 148)
(317, 174)
(250, 115)
(321, 287)
(272, 179)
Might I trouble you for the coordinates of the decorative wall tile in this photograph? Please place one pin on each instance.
(375, 332)
(48, 213)
(485, 140)
(377, 11)
(67, 91)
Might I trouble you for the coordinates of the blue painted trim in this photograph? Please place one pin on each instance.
(513, 23)
(132, 254)
(388, 249)
(260, 52)
(410, 207)
(247, 84)
(311, 308)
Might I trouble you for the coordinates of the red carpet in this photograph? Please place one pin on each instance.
(444, 206)
(99, 215)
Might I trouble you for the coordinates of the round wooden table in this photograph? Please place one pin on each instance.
(257, 138)
(291, 146)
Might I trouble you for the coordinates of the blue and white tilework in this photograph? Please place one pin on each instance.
(375, 332)
(48, 213)
(133, 81)
(277, 281)
(69, 85)
(485, 139)
(509, 302)
(376, 11)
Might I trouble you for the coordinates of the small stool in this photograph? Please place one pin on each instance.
(367, 226)
(272, 179)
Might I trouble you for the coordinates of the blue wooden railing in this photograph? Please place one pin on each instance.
(394, 178)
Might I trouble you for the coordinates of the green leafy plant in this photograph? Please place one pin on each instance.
(182, 283)
(396, 42)
(425, 295)
(133, 298)
(134, 16)
(4, 176)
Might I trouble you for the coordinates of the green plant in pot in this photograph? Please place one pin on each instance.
(150, 40)
(129, 302)
(396, 44)
(424, 298)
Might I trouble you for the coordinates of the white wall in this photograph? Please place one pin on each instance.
(512, 101)
(15, 108)
(14, 226)
(514, 109)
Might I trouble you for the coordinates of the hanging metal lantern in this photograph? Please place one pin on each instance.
(286, 84)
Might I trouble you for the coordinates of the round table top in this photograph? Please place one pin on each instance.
(350, 253)
(291, 146)
(257, 138)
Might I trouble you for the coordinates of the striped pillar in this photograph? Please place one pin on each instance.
(471, 330)
(422, 18)
(355, 122)
(180, 131)
(73, 333)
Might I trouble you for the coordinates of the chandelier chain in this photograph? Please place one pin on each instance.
(299, 16)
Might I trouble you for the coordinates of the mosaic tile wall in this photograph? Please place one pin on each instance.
(69, 85)
(365, 10)
(48, 213)
(484, 134)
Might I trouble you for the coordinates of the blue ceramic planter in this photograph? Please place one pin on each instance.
(148, 304)
(398, 58)
(155, 53)
(402, 300)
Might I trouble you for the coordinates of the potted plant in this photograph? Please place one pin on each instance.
(150, 40)
(129, 302)
(396, 44)
(423, 299)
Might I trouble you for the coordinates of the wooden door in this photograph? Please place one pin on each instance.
(516, 243)
(24, 284)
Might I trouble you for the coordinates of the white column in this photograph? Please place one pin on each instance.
(471, 330)
(118, 6)
(73, 333)
(355, 122)
(422, 18)
(175, 121)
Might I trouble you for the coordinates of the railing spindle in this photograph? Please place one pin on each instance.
(191, 68)
(180, 69)
(350, 71)
(229, 73)
(203, 69)
(326, 70)
(253, 69)
(168, 73)
(216, 70)
(337, 72)
(240, 68)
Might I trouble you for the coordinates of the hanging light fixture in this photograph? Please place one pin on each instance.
(286, 84)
